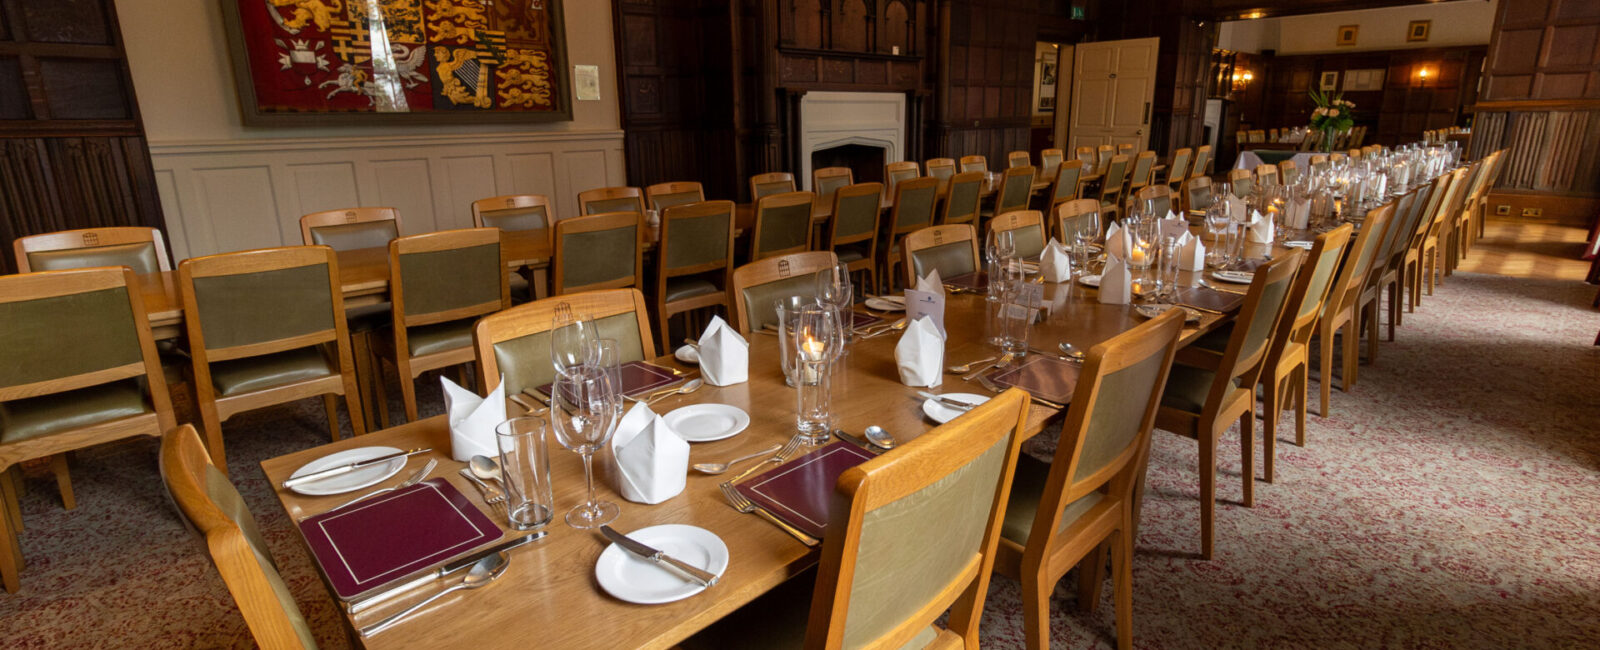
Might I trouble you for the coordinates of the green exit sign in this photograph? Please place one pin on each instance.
(1077, 13)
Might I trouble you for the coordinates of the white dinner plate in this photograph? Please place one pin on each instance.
(1235, 277)
(637, 580)
(1089, 280)
(688, 354)
(1303, 245)
(1151, 311)
(887, 303)
(942, 414)
(707, 422)
(352, 480)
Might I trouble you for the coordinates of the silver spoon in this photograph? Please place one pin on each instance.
(878, 437)
(482, 573)
(485, 468)
(718, 468)
(1070, 350)
(958, 369)
(688, 387)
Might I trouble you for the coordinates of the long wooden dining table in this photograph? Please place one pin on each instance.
(550, 593)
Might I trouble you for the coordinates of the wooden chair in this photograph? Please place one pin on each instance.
(1139, 177)
(914, 202)
(512, 212)
(694, 261)
(974, 164)
(439, 283)
(350, 228)
(963, 198)
(1206, 394)
(1016, 186)
(665, 195)
(758, 285)
(764, 185)
(1407, 259)
(1027, 231)
(1241, 183)
(611, 199)
(78, 368)
(1289, 172)
(1157, 197)
(1111, 184)
(1178, 170)
(142, 249)
(1272, 135)
(515, 343)
(267, 327)
(213, 508)
(952, 249)
(1462, 217)
(1102, 158)
(1068, 182)
(908, 499)
(1197, 196)
(1049, 160)
(943, 169)
(895, 172)
(1125, 148)
(1336, 157)
(1431, 262)
(1202, 159)
(597, 251)
(1072, 508)
(783, 224)
(1318, 163)
(1384, 273)
(1339, 311)
(826, 181)
(1267, 175)
(1085, 155)
(1070, 216)
(853, 230)
(1019, 159)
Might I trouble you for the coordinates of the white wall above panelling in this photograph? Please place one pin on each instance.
(233, 195)
(1462, 22)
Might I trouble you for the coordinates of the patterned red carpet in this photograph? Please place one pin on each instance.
(1449, 501)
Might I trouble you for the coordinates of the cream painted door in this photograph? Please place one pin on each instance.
(1113, 83)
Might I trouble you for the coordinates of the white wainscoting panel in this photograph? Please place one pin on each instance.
(242, 194)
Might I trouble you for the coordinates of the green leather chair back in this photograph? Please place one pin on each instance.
(1115, 173)
(952, 259)
(901, 175)
(1067, 177)
(436, 281)
(599, 256)
(1180, 166)
(66, 335)
(1267, 180)
(1071, 225)
(1118, 409)
(915, 207)
(536, 217)
(1049, 161)
(1201, 159)
(693, 241)
(784, 227)
(1029, 241)
(1244, 187)
(1015, 191)
(352, 236)
(265, 306)
(1160, 204)
(965, 200)
(771, 188)
(1290, 174)
(1141, 169)
(525, 361)
(1259, 332)
(1321, 276)
(1199, 196)
(974, 165)
(827, 185)
(142, 257)
(945, 522)
(664, 201)
(621, 204)
(856, 216)
(942, 173)
(759, 299)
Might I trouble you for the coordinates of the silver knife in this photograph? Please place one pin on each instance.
(351, 467)
(952, 403)
(443, 570)
(663, 560)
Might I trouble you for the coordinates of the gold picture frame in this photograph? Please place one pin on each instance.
(1346, 35)
(1418, 30)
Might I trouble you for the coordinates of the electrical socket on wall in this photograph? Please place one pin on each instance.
(1502, 210)
(1532, 212)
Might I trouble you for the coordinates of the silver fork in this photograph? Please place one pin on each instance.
(744, 505)
(495, 498)
(996, 388)
(782, 455)
(1002, 361)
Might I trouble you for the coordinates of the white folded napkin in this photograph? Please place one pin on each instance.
(1236, 208)
(1117, 242)
(473, 419)
(1116, 283)
(1054, 263)
(930, 283)
(724, 355)
(650, 461)
(1260, 228)
(1299, 214)
(1174, 215)
(920, 354)
(1191, 253)
(1174, 227)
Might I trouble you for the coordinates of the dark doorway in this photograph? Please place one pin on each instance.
(865, 161)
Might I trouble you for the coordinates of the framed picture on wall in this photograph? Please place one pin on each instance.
(1047, 87)
(1361, 80)
(1328, 81)
(1418, 30)
(1347, 35)
(420, 61)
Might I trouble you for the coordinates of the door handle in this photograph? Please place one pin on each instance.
(1146, 114)
(1139, 132)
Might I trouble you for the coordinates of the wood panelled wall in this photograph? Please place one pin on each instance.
(72, 149)
(1178, 110)
(985, 91)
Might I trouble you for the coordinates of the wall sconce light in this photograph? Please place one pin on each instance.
(1242, 78)
(1422, 75)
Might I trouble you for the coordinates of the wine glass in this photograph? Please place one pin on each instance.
(584, 410)
(606, 355)
(1218, 225)
(1085, 235)
(834, 292)
(571, 336)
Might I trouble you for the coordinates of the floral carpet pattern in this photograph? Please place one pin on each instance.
(1451, 500)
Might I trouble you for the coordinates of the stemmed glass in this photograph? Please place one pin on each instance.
(834, 292)
(607, 356)
(584, 411)
(998, 247)
(571, 337)
(1218, 225)
(1087, 232)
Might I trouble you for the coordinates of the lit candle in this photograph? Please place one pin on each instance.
(811, 348)
(1136, 256)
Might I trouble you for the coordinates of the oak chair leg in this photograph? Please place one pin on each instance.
(1301, 393)
(381, 387)
(1122, 582)
(213, 427)
(367, 377)
(1373, 330)
(332, 409)
(1208, 491)
(10, 549)
(408, 387)
(1325, 382)
(58, 466)
(11, 489)
(1036, 609)
(1247, 455)
(1352, 354)
(1396, 296)
(1271, 407)
(1091, 575)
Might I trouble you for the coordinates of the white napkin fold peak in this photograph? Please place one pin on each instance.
(1054, 263)
(1116, 283)
(1260, 228)
(930, 283)
(920, 354)
(650, 461)
(724, 355)
(1191, 253)
(473, 419)
(1118, 242)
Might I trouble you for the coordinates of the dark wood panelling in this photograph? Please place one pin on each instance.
(1545, 49)
(984, 105)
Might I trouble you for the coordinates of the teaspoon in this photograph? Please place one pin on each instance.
(482, 573)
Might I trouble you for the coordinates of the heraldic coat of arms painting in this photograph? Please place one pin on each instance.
(352, 61)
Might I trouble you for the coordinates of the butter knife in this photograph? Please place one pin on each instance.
(443, 570)
(952, 403)
(662, 560)
(351, 467)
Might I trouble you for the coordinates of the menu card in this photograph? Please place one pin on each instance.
(799, 492)
(1046, 378)
(370, 544)
(1210, 300)
(926, 304)
(637, 377)
(860, 320)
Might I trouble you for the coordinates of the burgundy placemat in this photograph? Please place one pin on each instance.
(1046, 378)
(860, 320)
(1211, 300)
(799, 491)
(976, 281)
(378, 541)
(637, 377)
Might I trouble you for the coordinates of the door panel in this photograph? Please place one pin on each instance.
(1113, 85)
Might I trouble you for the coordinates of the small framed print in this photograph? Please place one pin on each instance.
(1329, 81)
(1418, 30)
(1347, 34)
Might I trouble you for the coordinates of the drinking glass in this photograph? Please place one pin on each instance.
(1087, 232)
(607, 356)
(1220, 226)
(1167, 272)
(834, 292)
(788, 312)
(571, 336)
(525, 466)
(584, 412)
(999, 247)
(1143, 234)
(815, 334)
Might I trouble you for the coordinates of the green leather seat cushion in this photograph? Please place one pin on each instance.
(37, 416)
(428, 339)
(847, 255)
(776, 619)
(270, 370)
(1187, 387)
(366, 318)
(1026, 488)
(689, 287)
